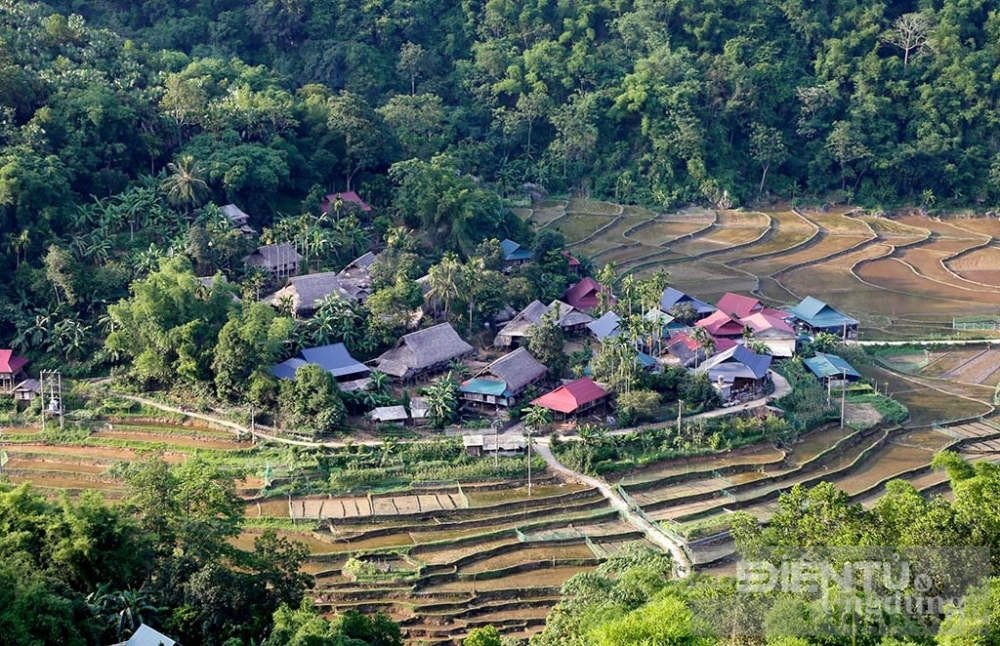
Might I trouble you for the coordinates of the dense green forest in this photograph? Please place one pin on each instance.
(123, 122)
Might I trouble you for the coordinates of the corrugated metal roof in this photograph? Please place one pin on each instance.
(569, 397)
(818, 314)
(335, 359)
(606, 326)
(830, 365)
(286, 369)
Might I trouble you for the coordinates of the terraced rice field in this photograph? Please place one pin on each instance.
(979, 266)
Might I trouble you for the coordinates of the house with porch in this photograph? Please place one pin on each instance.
(813, 316)
(778, 336)
(571, 320)
(11, 370)
(423, 352)
(279, 260)
(738, 371)
(501, 382)
(573, 398)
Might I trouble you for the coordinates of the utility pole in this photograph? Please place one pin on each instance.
(680, 409)
(496, 444)
(253, 432)
(843, 394)
(527, 445)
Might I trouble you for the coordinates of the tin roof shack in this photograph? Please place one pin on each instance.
(831, 368)
(486, 445)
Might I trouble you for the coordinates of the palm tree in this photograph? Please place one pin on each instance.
(445, 280)
(185, 186)
(536, 418)
(705, 341)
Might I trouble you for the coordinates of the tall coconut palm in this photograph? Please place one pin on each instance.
(185, 186)
(445, 280)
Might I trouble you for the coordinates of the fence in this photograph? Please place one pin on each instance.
(976, 323)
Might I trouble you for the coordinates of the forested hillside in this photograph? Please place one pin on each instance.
(651, 101)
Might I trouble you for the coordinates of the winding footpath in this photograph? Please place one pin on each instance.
(655, 534)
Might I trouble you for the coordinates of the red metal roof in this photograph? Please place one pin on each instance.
(346, 197)
(567, 398)
(737, 305)
(11, 363)
(583, 295)
(760, 321)
(720, 323)
(573, 261)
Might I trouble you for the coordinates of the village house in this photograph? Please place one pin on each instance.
(146, 636)
(334, 358)
(237, 218)
(586, 295)
(831, 368)
(570, 319)
(487, 445)
(574, 264)
(388, 414)
(607, 326)
(813, 316)
(11, 369)
(306, 293)
(500, 383)
(280, 260)
(344, 203)
(573, 398)
(778, 336)
(737, 371)
(684, 350)
(337, 360)
(513, 253)
(27, 390)
(424, 351)
(721, 325)
(673, 298)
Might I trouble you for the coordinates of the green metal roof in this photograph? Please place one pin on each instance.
(830, 365)
(484, 387)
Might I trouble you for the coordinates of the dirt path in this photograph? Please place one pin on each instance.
(682, 564)
(239, 428)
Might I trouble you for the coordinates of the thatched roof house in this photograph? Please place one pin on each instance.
(424, 351)
(281, 260)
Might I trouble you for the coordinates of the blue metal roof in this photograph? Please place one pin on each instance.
(485, 387)
(673, 297)
(514, 251)
(830, 365)
(335, 359)
(818, 314)
(755, 364)
(286, 369)
(606, 326)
